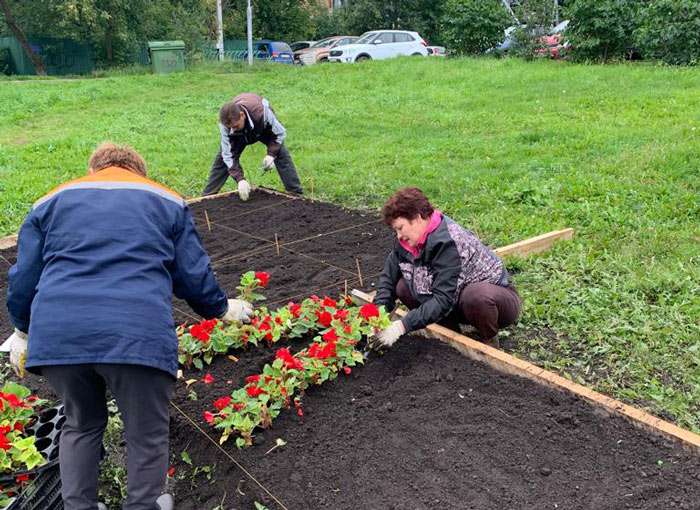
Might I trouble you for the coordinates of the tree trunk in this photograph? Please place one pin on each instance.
(9, 19)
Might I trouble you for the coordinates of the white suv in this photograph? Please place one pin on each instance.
(379, 44)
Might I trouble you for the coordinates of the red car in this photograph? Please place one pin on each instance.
(554, 45)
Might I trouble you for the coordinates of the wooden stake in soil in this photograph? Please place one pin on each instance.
(359, 274)
(206, 217)
(277, 245)
(346, 289)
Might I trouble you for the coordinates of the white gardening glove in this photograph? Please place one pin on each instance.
(243, 190)
(238, 310)
(268, 162)
(16, 345)
(388, 336)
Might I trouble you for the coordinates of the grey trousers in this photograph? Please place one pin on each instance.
(143, 395)
(283, 163)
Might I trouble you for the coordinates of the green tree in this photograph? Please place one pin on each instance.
(601, 29)
(282, 20)
(670, 31)
(422, 16)
(473, 26)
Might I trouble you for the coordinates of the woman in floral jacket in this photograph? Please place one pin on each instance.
(440, 270)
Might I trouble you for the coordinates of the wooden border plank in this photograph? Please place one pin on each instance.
(506, 363)
(535, 244)
(8, 242)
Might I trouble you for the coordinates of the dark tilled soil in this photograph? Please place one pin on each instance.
(424, 427)
(419, 427)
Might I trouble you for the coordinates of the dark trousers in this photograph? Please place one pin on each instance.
(283, 163)
(143, 396)
(483, 305)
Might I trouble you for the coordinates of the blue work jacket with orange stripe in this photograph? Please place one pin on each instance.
(98, 261)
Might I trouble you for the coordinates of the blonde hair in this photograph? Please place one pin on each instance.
(124, 156)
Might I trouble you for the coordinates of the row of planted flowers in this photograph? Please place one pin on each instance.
(338, 327)
(18, 452)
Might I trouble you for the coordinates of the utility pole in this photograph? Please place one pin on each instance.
(219, 30)
(249, 16)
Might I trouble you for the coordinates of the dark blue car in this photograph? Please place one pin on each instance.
(272, 51)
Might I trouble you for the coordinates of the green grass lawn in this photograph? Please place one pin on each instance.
(509, 148)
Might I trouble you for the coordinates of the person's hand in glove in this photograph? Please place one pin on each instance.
(16, 344)
(243, 189)
(388, 336)
(268, 163)
(238, 310)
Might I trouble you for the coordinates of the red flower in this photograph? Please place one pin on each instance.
(252, 379)
(265, 326)
(369, 310)
(4, 442)
(313, 350)
(347, 370)
(347, 328)
(200, 333)
(22, 479)
(171, 472)
(348, 300)
(208, 379)
(324, 318)
(208, 417)
(294, 309)
(289, 360)
(222, 403)
(300, 412)
(328, 351)
(262, 278)
(329, 302)
(12, 399)
(19, 427)
(330, 336)
(254, 391)
(315, 298)
(278, 319)
(238, 406)
(341, 314)
(209, 325)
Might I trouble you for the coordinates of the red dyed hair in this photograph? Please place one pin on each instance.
(407, 203)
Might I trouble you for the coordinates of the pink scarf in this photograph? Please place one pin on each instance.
(434, 223)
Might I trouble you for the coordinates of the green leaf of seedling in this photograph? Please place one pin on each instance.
(186, 458)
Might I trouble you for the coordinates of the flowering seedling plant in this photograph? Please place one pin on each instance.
(282, 383)
(199, 343)
(249, 285)
(17, 449)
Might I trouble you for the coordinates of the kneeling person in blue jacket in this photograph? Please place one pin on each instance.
(98, 261)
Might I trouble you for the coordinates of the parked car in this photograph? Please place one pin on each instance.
(318, 52)
(272, 51)
(437, 51)
(380, 44)
(300, 45)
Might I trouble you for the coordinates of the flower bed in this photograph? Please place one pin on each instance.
(18, 452)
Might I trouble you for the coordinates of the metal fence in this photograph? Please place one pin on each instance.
(60, 56)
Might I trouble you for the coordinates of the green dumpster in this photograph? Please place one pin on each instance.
(167, 56)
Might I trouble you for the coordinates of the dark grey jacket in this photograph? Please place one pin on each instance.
(452, 258)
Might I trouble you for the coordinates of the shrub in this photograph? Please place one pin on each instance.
(473, 26)
(601, 29)
(670, 31)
